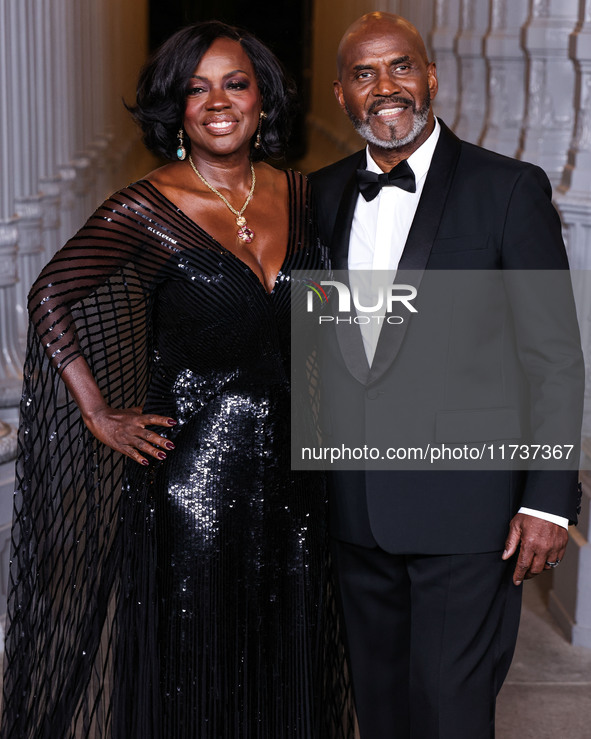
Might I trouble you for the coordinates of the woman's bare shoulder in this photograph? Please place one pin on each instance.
(277, 180)
(168, 176)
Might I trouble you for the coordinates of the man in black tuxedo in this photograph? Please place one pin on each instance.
(430, 563)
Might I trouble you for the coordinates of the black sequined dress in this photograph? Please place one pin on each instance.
(189, 599)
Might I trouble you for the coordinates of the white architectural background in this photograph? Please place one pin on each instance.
(514, 75)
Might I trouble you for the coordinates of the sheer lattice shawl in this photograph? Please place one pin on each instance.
(67, 573)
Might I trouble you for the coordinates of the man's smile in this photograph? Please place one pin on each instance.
(390, 113)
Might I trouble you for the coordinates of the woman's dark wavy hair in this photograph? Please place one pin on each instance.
(164, 79)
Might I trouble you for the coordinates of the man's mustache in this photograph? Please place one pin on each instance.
(387, 102)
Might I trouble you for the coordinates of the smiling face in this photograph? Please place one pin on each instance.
(386, 83)
(223, 102)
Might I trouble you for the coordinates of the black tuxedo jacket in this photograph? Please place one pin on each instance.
(478, 211)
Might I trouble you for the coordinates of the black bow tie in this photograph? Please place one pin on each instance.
(371, 183)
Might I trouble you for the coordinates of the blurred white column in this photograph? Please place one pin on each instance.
(82, 158)
(506, 76)
(103, 133)
(447, 22)
(48, 40)
(472, 70)
(570, 598)
(9, 355)
(25, 85)
(550, 113)
(573, 197)
(63, 111)
(576, 183)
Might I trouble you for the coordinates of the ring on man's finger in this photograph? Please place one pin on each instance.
(553, 564)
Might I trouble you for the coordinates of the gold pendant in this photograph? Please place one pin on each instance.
(244, 233)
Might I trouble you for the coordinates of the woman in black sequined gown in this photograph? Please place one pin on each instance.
(171, 582)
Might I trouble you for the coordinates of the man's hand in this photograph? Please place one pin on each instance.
(541, 542)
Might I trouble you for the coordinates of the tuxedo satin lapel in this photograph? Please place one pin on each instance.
(420, 241)
(348, 334)
(339, 246)
(349, 337)
(430, 210)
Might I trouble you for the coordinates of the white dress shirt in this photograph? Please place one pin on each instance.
(379, 232)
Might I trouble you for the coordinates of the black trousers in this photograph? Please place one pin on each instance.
(430, 640)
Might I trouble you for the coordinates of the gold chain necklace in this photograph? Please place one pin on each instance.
(244, 233)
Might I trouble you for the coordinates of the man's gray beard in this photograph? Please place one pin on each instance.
(364, 129)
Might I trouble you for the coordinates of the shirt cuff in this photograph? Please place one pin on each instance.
(560, 520)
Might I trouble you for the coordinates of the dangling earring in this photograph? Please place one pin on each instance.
(181, 152)
(257, 143)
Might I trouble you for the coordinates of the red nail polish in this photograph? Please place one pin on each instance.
(171, 422)
(161, 455)
(145, 462)
(169, 445)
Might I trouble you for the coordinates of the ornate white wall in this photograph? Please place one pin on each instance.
(65, 142)
(514, 76)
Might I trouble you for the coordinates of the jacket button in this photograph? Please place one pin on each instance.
(373, 394)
